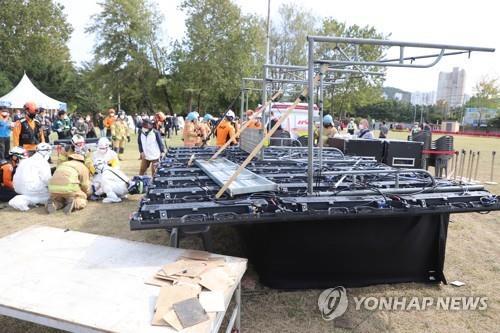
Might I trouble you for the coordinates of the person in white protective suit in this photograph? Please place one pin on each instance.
(104, 152)
(31, 179)
(109, 181)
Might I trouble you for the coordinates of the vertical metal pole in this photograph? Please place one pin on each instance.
(247, 93)
(174, 238)
(455, 166)
(119, 103)
(242, 100)
(472, 166)
(320, 140)
(468, 164)
(268, 35)
(238, 305)
(462, 165)
(310, 125)
(477, 167)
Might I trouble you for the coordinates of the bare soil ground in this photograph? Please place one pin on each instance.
(473, 256)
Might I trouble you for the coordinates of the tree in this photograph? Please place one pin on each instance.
(486, 96)
(358, 90)
(288, 42)
(33, 39)
(221, 47)
(128, 61)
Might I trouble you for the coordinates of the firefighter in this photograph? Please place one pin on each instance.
(104, 152)
(27, 132)
(7, 171)
(120, 133)
(62, 126)
(205, 128)
(108, 121)
(77, 146)
(191, 133)
(226, 130)
(253, 121)
(69, 186)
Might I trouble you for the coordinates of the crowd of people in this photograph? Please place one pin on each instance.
(27, 177)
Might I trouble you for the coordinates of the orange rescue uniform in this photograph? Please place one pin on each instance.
(190, 134)
(20, 130)
(254, 123)
(108, 121)
(7, 176)
(225, 131)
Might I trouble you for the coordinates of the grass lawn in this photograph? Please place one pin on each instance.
(473, 256)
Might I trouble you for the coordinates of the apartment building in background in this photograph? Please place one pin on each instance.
(451, 87)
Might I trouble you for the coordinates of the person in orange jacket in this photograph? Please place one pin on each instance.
(253, 122)
(109, 120)
(225, 130)
(27, 131)
(7, 170)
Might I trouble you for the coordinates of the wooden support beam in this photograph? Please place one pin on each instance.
(254, 152)
(245, 125)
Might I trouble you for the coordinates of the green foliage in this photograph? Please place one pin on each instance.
(33, 38)
(288, 43)
(358, 90)
(495, 122)
(487, 94)
(398, 111)
(221, 47)
(5, 84)
(127, 61)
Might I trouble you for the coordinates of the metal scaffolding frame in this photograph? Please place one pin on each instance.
(402, 61)
(295, 68)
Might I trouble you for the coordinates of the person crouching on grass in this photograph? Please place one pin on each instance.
(151, 147)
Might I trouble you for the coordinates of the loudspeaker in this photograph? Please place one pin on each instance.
(359, 147)
(403, 154)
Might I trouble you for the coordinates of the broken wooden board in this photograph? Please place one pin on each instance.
(190, 312)
(169, 295)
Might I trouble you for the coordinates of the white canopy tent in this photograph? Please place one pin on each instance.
(25, 91)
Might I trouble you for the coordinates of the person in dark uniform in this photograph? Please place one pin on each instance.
(27, 132)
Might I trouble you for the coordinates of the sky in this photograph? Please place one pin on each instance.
(471, 23)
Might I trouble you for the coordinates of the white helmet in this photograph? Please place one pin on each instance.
(103, 144)
(230, 113)
(44, 149)
(99, 165)
(77, 139)
(19, 152)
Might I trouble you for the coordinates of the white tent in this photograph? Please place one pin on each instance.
(24, 92)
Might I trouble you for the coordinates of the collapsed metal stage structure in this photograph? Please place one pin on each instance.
(312, 217)
(365, 223)
(275, 190)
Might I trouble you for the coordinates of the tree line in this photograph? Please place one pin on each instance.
(202, 71)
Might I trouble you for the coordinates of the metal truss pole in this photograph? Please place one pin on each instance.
(320, 140)
(242, 99)
(310, 125)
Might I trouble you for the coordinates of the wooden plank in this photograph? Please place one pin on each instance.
(264, 140)
(86, 283)
(245, 125)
